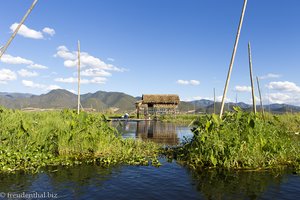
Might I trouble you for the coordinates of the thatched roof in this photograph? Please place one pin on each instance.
(160, 99)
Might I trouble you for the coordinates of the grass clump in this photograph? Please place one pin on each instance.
(242, 140)
(29, 141)
(184, 119)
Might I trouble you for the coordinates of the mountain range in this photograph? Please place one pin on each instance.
(117, 101)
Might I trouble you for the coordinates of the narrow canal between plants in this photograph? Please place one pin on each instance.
(170, 181)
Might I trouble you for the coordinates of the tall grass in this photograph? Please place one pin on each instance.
(241, 141)
(29, 141)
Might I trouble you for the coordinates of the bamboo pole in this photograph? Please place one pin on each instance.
(251, 78)
(78, 98)
(214, 101)
(3, 49)
(233, 57)
(261, 103)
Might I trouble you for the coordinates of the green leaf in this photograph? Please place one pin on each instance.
(213, 160)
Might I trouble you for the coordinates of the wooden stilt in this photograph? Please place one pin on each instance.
(233, 57)
(251, 78)
(261, 103)
(78, 95)
(4, 48)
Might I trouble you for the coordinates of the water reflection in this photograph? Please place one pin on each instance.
(159, 132)
(170, 181)
(216, 184)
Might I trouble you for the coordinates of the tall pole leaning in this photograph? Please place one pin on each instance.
(251, 78)
(233, 57)
(3, 49)
(78, 95)
(261, 103)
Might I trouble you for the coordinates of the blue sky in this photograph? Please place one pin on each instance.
(155, 47)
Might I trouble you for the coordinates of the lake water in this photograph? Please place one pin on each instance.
(170, 181)
(168, 134)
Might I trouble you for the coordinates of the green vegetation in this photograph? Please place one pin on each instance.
(29, 141)
(242, 140)
(179, 119)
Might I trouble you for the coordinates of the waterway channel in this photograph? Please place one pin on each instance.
(170, 181)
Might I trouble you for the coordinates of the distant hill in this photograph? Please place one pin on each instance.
(207, 106)
(60, 98)
(102, 101)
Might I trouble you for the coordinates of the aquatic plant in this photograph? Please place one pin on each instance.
(31, 140)
(242, 140)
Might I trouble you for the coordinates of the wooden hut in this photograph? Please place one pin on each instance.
(155, 104)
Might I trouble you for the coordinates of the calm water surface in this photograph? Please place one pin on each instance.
(170, 181)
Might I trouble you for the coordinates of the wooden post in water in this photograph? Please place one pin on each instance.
(233, 57)
(261, 103)
(251, 78)
(3, 49)
(78, 97)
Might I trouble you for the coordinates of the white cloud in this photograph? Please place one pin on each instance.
(66, 80)
(100, 80)
(243, 88)
(16, 60)
(71, 80)
(31, 84)
(279, 98)
(269, 76)
(86, 60)
(286, 92)
(27, 32)
(187, 82)
(31, 33)
(111, 59)
(7, 75)
(70, 63)
(284, 86)
(73, 91)
(26, 73)
(95, 72)
(194, 82)
(53, 87)
(49, 31)
(64, 53)
(92, 66)
(37, 66)
(6, 58)
(218, 98)
(197, 98)
(182, 82)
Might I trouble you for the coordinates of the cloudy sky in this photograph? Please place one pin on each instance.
(139, 46)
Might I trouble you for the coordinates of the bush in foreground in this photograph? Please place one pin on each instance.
(242, 140)
(29, 141)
